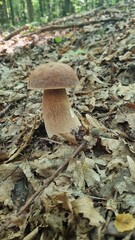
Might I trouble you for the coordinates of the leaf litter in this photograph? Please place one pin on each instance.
(91, 196)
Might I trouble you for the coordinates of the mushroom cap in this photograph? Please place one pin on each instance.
(53, 76)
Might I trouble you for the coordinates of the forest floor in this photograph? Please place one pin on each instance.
(83, 186)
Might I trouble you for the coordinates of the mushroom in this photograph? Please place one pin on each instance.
(57, 112)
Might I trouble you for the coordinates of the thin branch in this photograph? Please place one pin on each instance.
(74, 25)
(51, 178)
(46, 184)
(16, 32)
(88, 14)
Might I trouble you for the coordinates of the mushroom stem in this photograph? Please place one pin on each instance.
(57, 113)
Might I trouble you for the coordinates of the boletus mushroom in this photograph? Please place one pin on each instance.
(54, 78)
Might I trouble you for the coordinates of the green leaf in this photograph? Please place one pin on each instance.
(58, 39)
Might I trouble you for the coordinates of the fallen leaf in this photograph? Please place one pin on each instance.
(84, 206)
(62, 199)
(131, 165)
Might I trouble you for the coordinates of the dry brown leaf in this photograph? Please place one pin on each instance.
(9, 174)
(62, 199)
(13, 236)
(25, 166)
(90, 175)
(116, 164)
(127, 118)
(84, 206)
(78, 176)
(126, 56)
(5, 192)
(126, 91)
(3, 156)
(111, 145)
(94, 123)
(131, 165)
(69, 138)
(54, 221)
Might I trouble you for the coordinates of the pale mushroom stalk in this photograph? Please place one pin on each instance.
(57, 113)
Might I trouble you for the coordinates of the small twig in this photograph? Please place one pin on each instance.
(51, 178)
(98, 198)
(51, 140)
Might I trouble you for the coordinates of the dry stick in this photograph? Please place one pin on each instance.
(51, 140)
(88, 14)
(16, 32)
(76, 16)
(74, 25)
(51, 178)
(46, 183)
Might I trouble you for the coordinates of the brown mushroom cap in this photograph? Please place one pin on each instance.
(53, 76)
